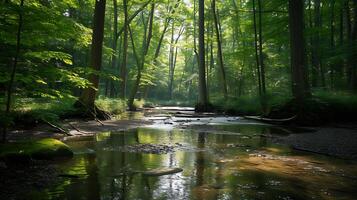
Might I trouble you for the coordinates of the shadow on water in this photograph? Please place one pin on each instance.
(230, 162)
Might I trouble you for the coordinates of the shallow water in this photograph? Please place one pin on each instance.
(227, 161)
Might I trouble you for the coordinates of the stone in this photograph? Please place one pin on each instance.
(162, 171)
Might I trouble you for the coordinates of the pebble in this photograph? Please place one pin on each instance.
(150, 148)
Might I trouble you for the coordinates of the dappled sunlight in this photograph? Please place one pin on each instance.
(178, 99)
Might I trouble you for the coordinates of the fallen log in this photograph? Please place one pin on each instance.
(195, 115)
(271, 121)
(162, 171)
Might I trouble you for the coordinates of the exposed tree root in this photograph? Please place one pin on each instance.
(92, 113)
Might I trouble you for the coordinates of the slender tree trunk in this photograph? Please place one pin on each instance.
(208, 24)
(256, 49)
(314, 67)
(318, 26)
(211, 52)
(16, 58)
(157, 52)
(171, 60)
(14, 68)
(145, 48)
(339, 69)
(115, 87)
(114, 46)
(138, 76)
(354, 51)
(123, 67)
(173, 57)
(332, 41)
(263, 98)
(349, 42)
(341, 25)
(219, 50)
(202, 90)
(261, 56)
(173, 72)
(300, 87)
(194, 30)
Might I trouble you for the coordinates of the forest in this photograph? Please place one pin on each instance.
(246, 57)
(66, 63)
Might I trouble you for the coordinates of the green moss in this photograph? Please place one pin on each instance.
(44, 149)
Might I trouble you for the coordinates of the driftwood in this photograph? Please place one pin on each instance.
(162, 171)
(271, 121)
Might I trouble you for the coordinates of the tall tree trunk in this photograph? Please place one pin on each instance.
(114, 46)
(208, 24)
(88, 96)
(263, 99)
(341, 24)
(195, 30)
(314, 68)
(14, 68)
(354, 50)
(300, 87)
(318, 26)
(219, 50)
(122, 92)
(261, 56)
(202, 89)
(349, 41)
(138, 75)
(173, 57)
(332, 40)
(145, 48)
(16, 58)
(171, 60)
(256, 49)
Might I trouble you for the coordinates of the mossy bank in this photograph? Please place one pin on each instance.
(44, 149)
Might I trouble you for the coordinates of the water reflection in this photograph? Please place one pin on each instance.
(242, 164)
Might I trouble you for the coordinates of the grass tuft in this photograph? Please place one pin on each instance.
(113, 106)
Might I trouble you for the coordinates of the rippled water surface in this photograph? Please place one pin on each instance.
(231, 161)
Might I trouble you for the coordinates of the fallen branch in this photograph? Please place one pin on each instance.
(60, 129)
(75, 128)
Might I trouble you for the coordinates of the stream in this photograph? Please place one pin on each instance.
(220, 157)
